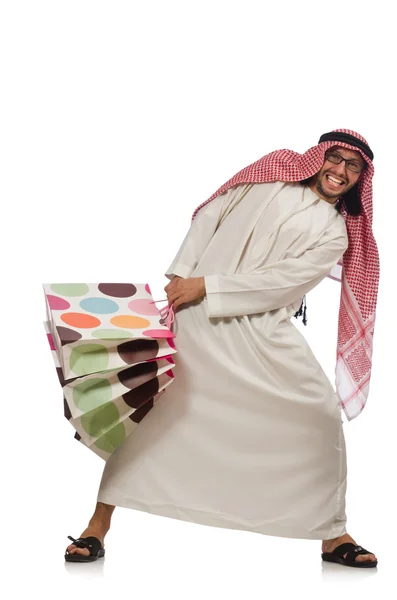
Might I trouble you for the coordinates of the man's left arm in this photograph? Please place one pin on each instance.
(276, 285)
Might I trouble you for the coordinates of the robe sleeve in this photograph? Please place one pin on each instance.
(276, 285)
(197, 239)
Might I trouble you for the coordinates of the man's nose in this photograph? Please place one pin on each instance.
(340, 169)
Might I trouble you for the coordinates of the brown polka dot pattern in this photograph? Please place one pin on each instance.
(141, 412)
(137, 375)
(60, 376)
(68, 336)
(135, 351)
(135, 398)
(117, 290)
(66, 409)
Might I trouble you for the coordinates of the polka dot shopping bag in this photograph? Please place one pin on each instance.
(112, 350)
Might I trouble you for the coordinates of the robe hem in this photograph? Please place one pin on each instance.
(200, 517)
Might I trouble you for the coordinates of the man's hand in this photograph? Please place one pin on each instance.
(181, 290)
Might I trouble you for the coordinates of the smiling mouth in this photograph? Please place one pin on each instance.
(334, 182)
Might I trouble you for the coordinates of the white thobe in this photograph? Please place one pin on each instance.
(249, 435)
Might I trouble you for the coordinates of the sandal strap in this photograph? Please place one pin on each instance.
(92, 544)
(351, 551)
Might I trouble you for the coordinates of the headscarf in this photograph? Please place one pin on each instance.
(360, 262)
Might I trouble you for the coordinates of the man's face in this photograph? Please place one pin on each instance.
(333, 179)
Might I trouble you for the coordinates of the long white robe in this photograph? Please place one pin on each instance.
(249, 435)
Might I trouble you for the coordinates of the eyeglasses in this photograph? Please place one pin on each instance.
(352, 165)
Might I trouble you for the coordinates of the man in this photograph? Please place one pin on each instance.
(250, 434)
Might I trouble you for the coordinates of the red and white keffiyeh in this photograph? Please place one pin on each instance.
(360, 264)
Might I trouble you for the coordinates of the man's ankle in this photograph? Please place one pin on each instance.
(99, 524)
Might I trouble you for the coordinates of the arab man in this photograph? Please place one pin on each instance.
(249, 436)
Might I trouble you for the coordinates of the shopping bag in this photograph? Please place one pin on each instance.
(97, 327)
(99, 421)
(112, 439)
(127, 388)
(104, 405)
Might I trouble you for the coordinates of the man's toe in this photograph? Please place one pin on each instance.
(72, 549)
(366, 557)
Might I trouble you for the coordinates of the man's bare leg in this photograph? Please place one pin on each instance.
(330, 545)
(98, 527)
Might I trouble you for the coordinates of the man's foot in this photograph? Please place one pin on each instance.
(330, 545)
(98, 527)
(89, 532)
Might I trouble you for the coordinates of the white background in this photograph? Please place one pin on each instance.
(117, 120)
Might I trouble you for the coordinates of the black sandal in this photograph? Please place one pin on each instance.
(92, 544)
(351, 551)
